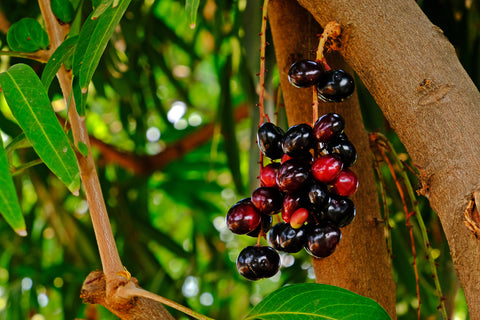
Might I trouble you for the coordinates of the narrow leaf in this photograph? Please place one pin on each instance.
(93, 40)
(63, 52)
(9, 205)
(228, 126)
(27, 35)
(29, 103)
(191, 7)
(316, 301)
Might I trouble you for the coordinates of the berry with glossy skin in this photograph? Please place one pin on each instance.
(326, 168)
(340, 211)
(243, 217)
(322, 240)
(345, 184)
(292, 175)
(268, 175)
(342, 147)
(299, 217)
(267, 200)
(283, 237)
(304, 73)
(328, 126)
(269, 139)
(291, 202)
(298, 140)
(257, 262)
(335, 86)
(318, 194)
(266, 224)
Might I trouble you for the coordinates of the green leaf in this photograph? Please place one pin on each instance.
(63, 10)
(101, 8)
(27, 35)
(316, 301)
(29, 103)
(9, 205)
(93, 40)
(63, 52)
(191, 7)
(228, 126)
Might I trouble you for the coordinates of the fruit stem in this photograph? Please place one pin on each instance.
(263, 44)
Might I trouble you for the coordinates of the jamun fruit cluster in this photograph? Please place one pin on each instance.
(331, 85)
(311, 194)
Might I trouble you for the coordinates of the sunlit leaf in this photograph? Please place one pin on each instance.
(63, 52)
(9, 205)
(316, 301)
(191, 7)
(94, 38)
(29, 103)
(27, 35)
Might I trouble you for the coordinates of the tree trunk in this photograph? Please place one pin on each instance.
(413, 73)
(361, 263)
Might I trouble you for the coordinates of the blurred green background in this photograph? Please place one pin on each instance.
(164, 88)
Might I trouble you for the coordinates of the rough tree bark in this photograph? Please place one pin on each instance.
(413, 73)
(361, 263)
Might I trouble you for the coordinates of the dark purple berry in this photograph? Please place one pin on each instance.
(298, 140)
(322, 240)
(256, 262)
(340, 211)
(335, 86)
(243, 217)
(283, 237)
(328, 126)
(292, 175)
(267, 200)
(269, 139)
(318, 194)
(304, 73)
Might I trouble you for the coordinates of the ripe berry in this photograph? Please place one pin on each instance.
(266, 224)
(304, 73)
(298, 140)
(299, 217)
(283, 237)
(268, 175)
(292, 175)
(342, 147)
(322, 240)
(291, 202)
(345, 184)
(335, 86)
(256, 262)
(318, 194)
(328, 126)
(326, 168)
(267, 200)
(269, 139)
(243, 217)
(340, 211)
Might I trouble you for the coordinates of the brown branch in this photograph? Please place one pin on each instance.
(4, 23)
(147, 164)
(111, 263)
(413, 72)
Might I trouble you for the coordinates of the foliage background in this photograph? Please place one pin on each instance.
(160, 82)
